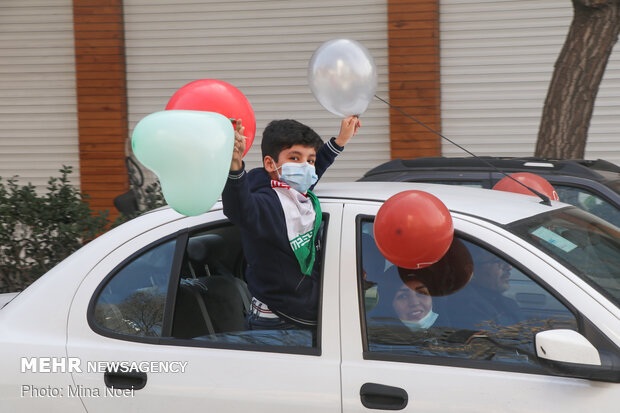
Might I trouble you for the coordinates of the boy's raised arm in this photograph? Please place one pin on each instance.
(348, 128)
(240, 205)
(236, 163)
(326, 155)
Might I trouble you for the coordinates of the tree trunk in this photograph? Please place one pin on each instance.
(576, 79)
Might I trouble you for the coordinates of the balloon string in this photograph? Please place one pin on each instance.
(545, 198)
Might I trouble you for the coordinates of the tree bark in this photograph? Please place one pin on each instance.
(578, 72)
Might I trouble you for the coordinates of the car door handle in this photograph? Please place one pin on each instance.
(134, 380)
(380, 396)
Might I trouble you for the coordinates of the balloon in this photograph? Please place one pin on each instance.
(343, 77)
(413, 229)
(190, 151)
(212, 95)
(534, 181)
(446, 276)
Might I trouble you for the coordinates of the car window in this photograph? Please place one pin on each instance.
(585, 243)
(472, 305)
(588, 201)
(132, 302)
(211, 298)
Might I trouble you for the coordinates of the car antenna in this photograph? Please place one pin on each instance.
(545, 198)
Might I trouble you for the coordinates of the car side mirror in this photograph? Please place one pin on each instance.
(566, 346)
(568, 353)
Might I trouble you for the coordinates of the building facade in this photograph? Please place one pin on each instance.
(77, 75)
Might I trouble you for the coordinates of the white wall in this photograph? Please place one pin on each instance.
(262, 47)
(38, 115)
(497, 60)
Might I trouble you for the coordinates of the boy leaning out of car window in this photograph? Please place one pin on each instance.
(279, 219)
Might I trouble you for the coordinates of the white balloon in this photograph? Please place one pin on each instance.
(343, 77)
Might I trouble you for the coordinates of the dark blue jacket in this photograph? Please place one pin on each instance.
(474, 305)
(273, 274)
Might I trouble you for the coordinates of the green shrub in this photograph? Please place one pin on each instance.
(38, 231)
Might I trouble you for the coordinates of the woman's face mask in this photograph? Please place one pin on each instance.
(299, 176)
(424, 323)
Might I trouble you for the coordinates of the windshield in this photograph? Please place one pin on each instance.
(586, 244)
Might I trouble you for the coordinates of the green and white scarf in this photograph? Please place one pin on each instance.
(303, 219)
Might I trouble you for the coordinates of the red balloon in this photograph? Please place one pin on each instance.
(212, 95)
(413, 229)
(534, 181)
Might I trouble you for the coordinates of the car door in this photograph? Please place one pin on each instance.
(461, 367)
(180, 370)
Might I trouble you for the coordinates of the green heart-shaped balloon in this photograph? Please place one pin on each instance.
(190, 151)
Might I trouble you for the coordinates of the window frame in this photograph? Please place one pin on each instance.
(583, 325)
(181, 238)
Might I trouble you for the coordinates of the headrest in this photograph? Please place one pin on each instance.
(205, 247)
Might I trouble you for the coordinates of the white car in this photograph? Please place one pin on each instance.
(150, 317)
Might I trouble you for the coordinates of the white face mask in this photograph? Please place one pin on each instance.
(422, 324)
(299, 176)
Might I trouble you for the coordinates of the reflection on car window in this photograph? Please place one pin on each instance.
(132, 302)
(586, 200)
(472, 304)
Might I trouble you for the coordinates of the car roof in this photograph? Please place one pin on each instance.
(598, 170)
(498, 206)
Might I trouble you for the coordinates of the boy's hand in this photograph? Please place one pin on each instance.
(348, 128)
(237, 156)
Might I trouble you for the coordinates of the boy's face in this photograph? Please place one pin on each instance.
(295, 154)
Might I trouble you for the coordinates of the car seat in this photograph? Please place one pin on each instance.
(226, 298)
(191, 318)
